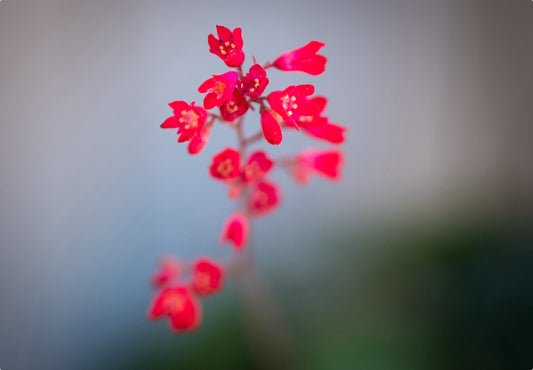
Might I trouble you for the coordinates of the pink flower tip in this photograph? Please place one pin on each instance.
(304, 59)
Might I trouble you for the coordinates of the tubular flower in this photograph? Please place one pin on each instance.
(263, 199)
(183, 310)
(256, 166)
(304, 59)
(326, 163)
(188, 119)
(292, 103)
(219, 89)
(198, 142)
(169, 268)
(207, 277)
(234, 107)
(226, 164)
(254, 83)
(319, 126)
(228, 46)
(329, 131)
(235, 231)
(271, 127)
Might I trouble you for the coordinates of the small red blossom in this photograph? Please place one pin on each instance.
(234, 108)
(235, 231)
(329, 131)
(254, 83)
(169, 268)
(271, 127)
(257, 165)
(198, 142)
(292, 103)
(264, 198)
(207, 277)
(226, 164)
(326, 163)
(219, 89)
(228, 46)
(188, 119)
(304, 59)
(183, 310)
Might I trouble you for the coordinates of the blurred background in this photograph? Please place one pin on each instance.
(420, 258)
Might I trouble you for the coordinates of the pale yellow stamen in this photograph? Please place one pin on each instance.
(225, 168)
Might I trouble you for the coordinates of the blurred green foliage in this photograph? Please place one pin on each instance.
(453, 294)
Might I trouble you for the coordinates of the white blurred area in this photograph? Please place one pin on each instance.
(437, 97)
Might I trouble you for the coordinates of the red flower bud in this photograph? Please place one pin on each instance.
(198, 142)
(235, 231)
(271, 128)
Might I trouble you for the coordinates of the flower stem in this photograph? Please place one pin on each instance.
(270, 338)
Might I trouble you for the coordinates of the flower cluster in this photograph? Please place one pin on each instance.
(228, 98)
(178, 298)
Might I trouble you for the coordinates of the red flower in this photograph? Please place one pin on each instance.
(219, 89)
(188, 119)
(319, 126)
(183, 310)
(329, 132)
(292, 103)
(169, 268)
(234, 107)
(226, 164)
(198, 142)
(304, 59)
(256, 166)
(271, 127)
(323, 162)
(254, 83)
(228, 46)
(264, 198)
(235, 231)
(207, 277)
(315, 120)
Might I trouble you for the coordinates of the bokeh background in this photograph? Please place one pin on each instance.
(420, 258)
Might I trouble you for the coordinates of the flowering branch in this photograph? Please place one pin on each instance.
(180, 285)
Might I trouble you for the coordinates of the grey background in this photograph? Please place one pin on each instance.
(436, 96)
